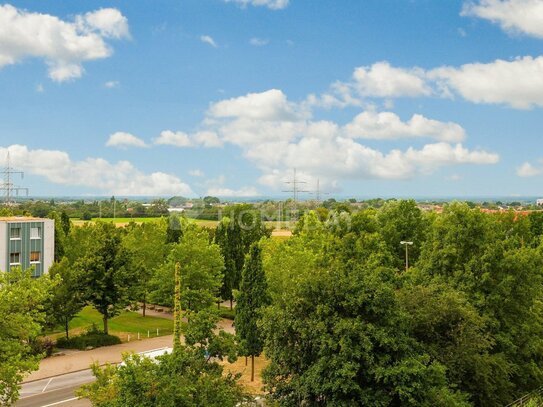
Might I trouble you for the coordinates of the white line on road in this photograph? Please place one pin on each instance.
(50, 380)
(60, 402)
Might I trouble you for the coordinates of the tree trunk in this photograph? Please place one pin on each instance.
(66, 327)
(231, 307)
(219, 305)
(252, 368)
(144, 307)
(106, 329)
(245, 360)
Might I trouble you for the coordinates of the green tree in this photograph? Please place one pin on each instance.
(183, 378)
(66, 223)
(175, 227)
(190, 376)
(60, 235)
(484, 257)
(235, 234)
(340, 337)
(201, 272)
(402, 221)
(22, 306)
(253, 296)
(148, 251)
(230, 240)
(68, 296)
(105, 272)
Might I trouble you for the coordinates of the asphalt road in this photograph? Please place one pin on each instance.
(55, 391)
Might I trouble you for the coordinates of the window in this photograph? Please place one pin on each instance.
(35, 233)
(15, 258)
(15, 233)
(34, 257)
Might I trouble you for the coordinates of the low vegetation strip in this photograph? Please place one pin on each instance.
(126, 323)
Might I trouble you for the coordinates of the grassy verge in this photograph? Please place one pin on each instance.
(124, 324)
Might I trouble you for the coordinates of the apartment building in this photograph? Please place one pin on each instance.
(27, 243)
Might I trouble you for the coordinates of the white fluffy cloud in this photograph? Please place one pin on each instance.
(182, 139)
(227, 192)
(206, 39)
(271, 4)
(276, 135)
(529, 170)
(517, 16)
(383, 80)
(518, 83)
(97, 174)
(171, 138)
(269, 105)
(63, 45)
(122, 139)
(387, 125)
(109, 22)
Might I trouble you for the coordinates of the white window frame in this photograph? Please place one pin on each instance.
(39, 233)
(15, 238)
(15, 264)
(35, 262)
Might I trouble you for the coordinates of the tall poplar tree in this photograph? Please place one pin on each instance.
(252, 297)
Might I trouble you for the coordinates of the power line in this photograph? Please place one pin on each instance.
(318, 192)
(295, 182)
(9, 189)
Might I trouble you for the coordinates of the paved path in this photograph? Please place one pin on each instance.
(80, 360)
(58, 377)
(75, 361)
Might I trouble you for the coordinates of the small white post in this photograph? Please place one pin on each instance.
(128, 338)
(157, 332)
(148, 333)
(138, 336)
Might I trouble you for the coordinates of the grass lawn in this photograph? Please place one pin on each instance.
(124, 324)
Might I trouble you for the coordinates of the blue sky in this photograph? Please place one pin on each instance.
(195, 97)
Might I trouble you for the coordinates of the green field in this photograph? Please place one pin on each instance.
(200, 222)
(126, 220)
(126, 323)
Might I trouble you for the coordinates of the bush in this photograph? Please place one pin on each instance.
(41, 346)
(86, 216)
(227, 313)
(93, 338)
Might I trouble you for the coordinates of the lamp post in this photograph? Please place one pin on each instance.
(406, 244)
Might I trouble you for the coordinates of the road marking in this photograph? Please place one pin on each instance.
(60, 402)
(49, 382)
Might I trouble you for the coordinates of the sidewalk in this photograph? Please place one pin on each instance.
(75, 361)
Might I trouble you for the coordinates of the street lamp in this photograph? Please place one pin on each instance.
(406, 244)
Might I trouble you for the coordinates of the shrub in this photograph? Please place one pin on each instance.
(227, 313)
(42, 346)
(92, 338)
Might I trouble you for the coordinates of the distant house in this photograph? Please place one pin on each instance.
(27, 242)
(539, 202)
(176, 210)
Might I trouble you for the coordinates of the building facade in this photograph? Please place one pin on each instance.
(27, 243)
